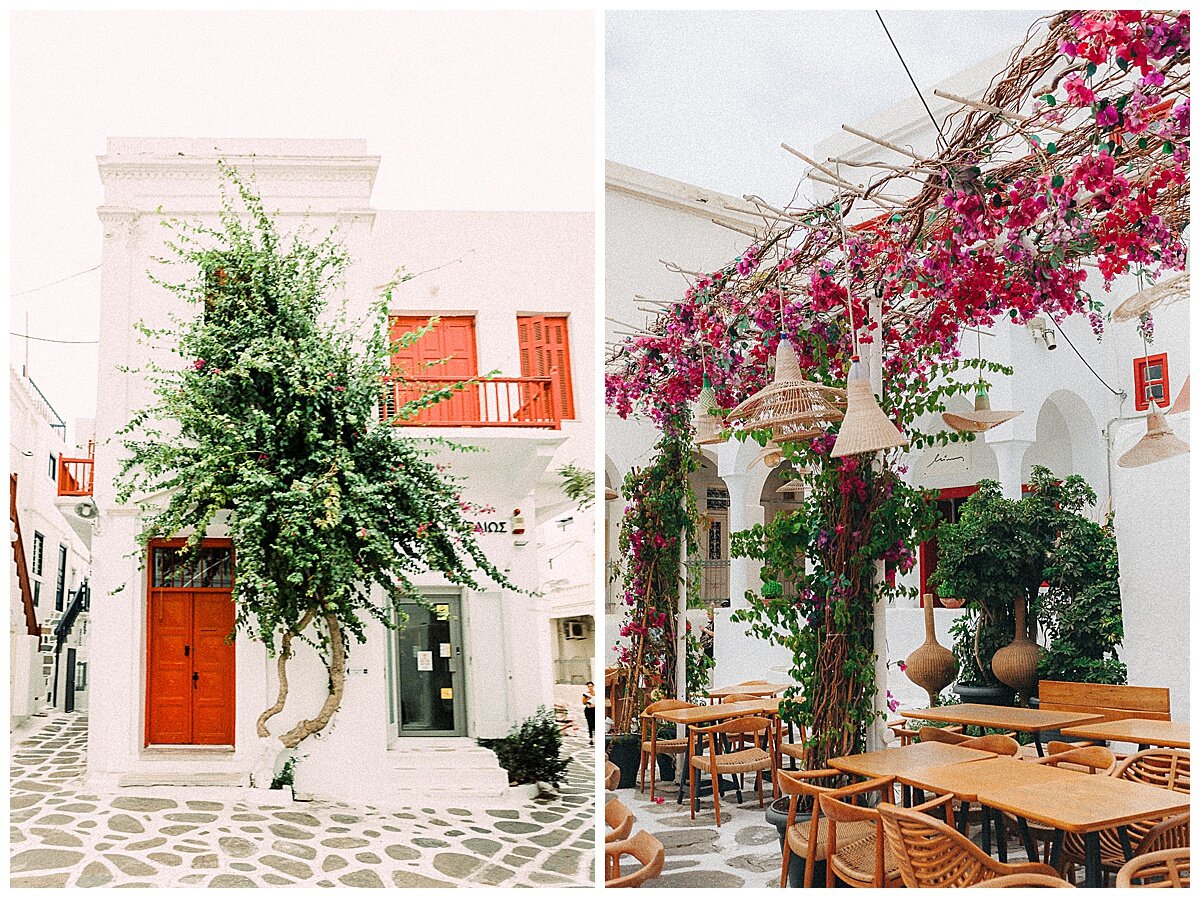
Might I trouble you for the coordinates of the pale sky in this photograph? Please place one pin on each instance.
(707, 97)
(468, 110)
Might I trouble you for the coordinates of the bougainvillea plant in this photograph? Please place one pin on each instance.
(1076, 158)
(271, 427)
(659, 515)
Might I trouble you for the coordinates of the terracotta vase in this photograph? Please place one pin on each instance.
(1016, 664)
(931, 665)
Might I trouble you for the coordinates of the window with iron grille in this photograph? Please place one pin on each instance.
(717, 498)
(60, 587)
(80, 675)
(210, 568)
(714, 541)
(39, 546)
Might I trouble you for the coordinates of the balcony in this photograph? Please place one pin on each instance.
(494, 402)
(75, 474)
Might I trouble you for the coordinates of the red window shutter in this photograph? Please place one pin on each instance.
(1151, 382)
(452, 340)
(545, 344)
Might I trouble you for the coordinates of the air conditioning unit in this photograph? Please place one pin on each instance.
(574, 629)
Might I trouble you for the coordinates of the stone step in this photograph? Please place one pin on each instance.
(168, 777)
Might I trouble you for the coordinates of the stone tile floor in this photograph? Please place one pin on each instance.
(64, 835)
(743, 852)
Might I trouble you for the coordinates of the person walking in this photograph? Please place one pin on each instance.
(589, 710)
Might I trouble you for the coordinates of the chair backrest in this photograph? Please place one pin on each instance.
(1113, 702)
(736, 727)
(1162, 869)
(649, 853)
(753, 683)
(663, 704)
(738, 697)
(1167, 768)
(996, 743)
(1024, 881)
(1174, 832)
(938, 734)
(1096, 758)
(612, 775)
(930, 853)
(619, 820)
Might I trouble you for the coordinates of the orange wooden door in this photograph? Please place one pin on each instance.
(213, 680)
(452, 339)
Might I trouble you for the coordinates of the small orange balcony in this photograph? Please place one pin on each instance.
(495, 402)
(75, 474)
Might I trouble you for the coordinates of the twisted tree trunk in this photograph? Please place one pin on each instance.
(285, 652)
(337, 685)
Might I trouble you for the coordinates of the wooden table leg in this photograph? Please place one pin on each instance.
(1092, 872)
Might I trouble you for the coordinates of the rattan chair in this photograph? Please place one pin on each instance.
(933, 854)
(612, 776)
(867, 862)
(652, 746)
(1089, 759)
(644, 848)
(1024, 881)
(1167, 768)
(756, 758)
(955, 736)
(807, 839)
(901, 731)
(618, 819)
(1167, 869)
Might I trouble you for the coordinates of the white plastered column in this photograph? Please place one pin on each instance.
(745, 510)
(1010, 462)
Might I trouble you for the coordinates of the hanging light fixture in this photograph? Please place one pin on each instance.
(1145, 300)
(610, 494)
(865, 428)
(790, 406)
(983, 417)
(771, 456)
(708, 425)
(1159, 444)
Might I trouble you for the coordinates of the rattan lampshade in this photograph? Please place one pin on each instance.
(609, 494)
(865, 428)
(1183, 402)
(1164, 292)
(1159, 444)
(708, 425)
(983, 418)
(792, 407)
(771, 456)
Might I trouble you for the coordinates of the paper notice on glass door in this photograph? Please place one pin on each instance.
(424, 660)
(444, 650)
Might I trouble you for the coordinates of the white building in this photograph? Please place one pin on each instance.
(415, 700)
(50, 558)
(1071, 423)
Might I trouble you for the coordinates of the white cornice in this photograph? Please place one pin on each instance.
(674, 194)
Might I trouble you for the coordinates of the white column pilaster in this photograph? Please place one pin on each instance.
(745, 510)
(1010, 462)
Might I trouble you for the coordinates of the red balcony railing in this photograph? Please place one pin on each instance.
(75, 474)
(495, 402)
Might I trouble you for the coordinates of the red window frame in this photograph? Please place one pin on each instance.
(927, 551)
(1142, 382)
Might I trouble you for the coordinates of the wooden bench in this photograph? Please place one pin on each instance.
(1113, 702)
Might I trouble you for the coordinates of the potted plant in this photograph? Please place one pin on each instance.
(976, 684)
(625, 750)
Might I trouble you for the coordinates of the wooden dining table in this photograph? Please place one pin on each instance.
(699, 715)
(1002, 717)
(758, 690)
(1141, 732)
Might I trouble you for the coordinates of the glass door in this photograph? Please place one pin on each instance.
(428, 670)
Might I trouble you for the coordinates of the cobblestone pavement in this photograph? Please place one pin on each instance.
(63, 835)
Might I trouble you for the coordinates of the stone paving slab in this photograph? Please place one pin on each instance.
(62, 835)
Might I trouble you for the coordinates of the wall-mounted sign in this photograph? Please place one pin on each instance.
(491, 526)
(424, 660)
(442, 612)
(444, 650)
(940, 461)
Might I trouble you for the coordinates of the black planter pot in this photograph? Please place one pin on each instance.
(984, 695)
(777, 812)
(625, 753)
(666, 768)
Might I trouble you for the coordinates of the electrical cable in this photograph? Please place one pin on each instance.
(1088, 364)
(59, 281)
(920, 95)
(49, 340)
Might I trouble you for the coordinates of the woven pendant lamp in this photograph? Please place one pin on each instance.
(865, 428)
(792, 407)
(1159, 444)
(983, 418)
(1165, 292)
(771, 456)
(609, 494)
(1183, 402)
(708, 425)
